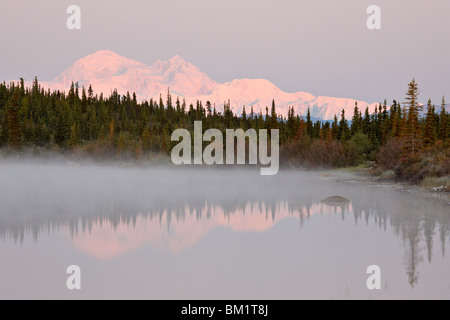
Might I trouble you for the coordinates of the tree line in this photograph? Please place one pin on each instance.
(79, 122)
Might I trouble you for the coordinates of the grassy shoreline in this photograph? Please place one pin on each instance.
(369, 174)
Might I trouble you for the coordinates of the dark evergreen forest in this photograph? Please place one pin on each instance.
(411, 139)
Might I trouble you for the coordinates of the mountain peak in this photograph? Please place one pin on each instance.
(173, 64)
(106, 70)
(100, 64)
(109, 57)
(177, 59)
(103, 53)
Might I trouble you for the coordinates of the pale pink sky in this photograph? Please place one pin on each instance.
(321, 46)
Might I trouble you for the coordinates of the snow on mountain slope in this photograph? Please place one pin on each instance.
(327, 107)
(100, 65)
(259, 93)
(106, 71)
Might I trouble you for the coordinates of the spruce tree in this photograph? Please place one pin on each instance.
(356, 120)
(442, 134)
(309, 124)
(429, 136)
(413, 130)
(366, 122)
(394, 119)
(344, 131)
(90, 94)
(291, 123)
(335, 128)
(273, 124)
(209, 108)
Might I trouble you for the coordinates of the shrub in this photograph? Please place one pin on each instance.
(389, 155)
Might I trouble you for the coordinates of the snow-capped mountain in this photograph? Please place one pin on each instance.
(106, 71)
(259, 93)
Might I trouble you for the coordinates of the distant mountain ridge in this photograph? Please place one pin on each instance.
(106, 70)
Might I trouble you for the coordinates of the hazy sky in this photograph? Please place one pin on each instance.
(319, 46)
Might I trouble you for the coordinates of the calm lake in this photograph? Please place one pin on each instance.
(183, 233)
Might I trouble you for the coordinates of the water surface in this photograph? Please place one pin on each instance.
(214, 234)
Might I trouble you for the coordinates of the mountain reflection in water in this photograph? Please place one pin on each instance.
(107, 212)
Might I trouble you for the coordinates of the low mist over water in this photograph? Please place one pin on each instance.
(214, 233)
